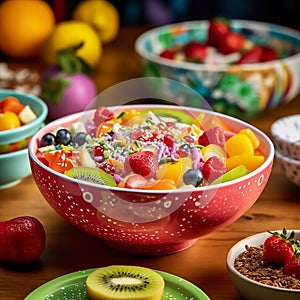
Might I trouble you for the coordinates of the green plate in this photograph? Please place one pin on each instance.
(72, 287)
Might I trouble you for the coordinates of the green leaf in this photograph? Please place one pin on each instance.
(70, 62)
(53, 87)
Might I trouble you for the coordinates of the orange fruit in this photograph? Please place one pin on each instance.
(24, 26)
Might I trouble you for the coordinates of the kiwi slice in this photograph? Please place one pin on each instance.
(170, 115)
(94, 175)
(125, 282)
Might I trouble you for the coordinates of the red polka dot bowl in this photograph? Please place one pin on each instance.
(150, 222)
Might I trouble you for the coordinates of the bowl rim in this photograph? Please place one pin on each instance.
(277, 124)
(287, 159)
(268, 161)
(40, 118)
(247, 241)
(197, 67)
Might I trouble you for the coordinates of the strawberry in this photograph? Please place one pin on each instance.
(258, 54)
(22, 240)
(167, 53)
(195, 51)
(292, 266)
(217, 29)
(231, 42)
(214, 135)
(278, 248)
(213, 168)
(144, 163)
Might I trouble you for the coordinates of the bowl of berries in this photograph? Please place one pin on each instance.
(242, 68)
(21, 116)
(266, 265)
(150, 179)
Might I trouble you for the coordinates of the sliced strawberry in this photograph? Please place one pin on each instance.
(213, 135)
(195, 51)
(217, 29)
(135, 181)
(213, 168)
(278, 248)
(231, 42)
(144, 163)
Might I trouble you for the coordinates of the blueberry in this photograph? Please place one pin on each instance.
(79, 138)
(64, 137)
(47, 139)
(193, 177)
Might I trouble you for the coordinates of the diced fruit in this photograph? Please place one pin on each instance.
(235, 173)
(8, 121)
(258, 54)
(59, 161)
(251, 135)
(174, 170)
(164, 184)
(213, 168)
(213, 135)
(278, 248)
(26, 115)
(12, 104)
(63, 137)
(102, 114)
(251, 161)
(86, 159)
(213, 150)
(144, 163)
(239, 144)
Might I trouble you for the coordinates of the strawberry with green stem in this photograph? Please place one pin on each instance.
(279, 248)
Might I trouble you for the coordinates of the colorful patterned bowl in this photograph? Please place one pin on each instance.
(148, 222)
(251, 289)
(286, 136)
(244, 91)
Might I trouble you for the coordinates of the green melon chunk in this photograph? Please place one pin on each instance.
(235, 173)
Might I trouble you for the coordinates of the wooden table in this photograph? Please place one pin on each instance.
(68, 249)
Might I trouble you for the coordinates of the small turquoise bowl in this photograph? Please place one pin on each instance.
(14, 167)
(39, 108)
(243, 91)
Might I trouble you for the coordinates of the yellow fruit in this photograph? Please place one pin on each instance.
(101, 15)
(24, 26)
(72, 33)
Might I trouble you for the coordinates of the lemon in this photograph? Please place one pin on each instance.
(71, 33)
(24, 26)
(101, 15)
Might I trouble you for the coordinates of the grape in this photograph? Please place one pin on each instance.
(47, 139)
(79, 138)
(193, 177)
(64, 137)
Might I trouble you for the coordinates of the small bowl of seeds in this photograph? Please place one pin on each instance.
(265, 266)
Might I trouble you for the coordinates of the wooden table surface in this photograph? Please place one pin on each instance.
(68, 249)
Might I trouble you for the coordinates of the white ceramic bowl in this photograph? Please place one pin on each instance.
(290, 167)
(286, 136)
(249, 288)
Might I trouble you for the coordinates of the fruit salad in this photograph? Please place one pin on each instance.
(156, 149)
(223, 46)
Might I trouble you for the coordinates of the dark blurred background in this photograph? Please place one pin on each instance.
(159, 12)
